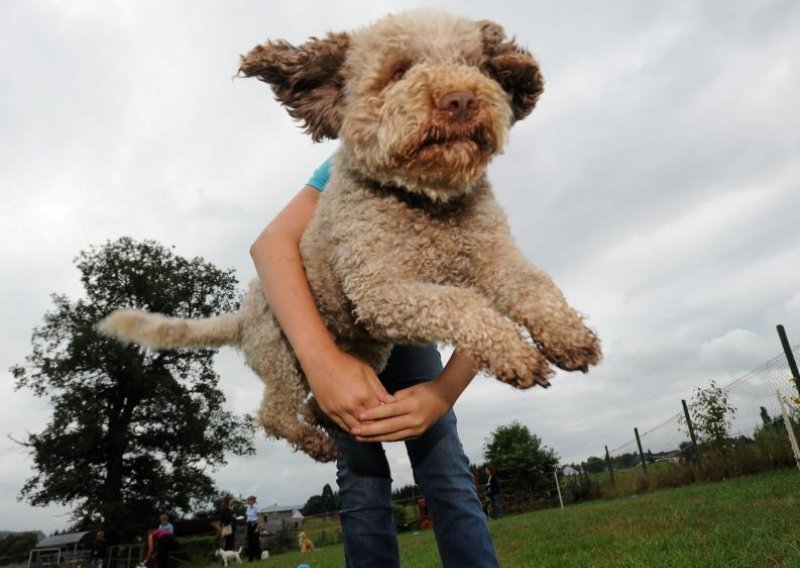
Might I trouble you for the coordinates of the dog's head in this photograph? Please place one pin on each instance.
(421, 99)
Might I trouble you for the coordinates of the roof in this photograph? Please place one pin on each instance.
(280, 509)
(61, 540)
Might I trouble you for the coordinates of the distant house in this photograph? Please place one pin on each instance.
(69, 548)
(569, 471)
(277, 517)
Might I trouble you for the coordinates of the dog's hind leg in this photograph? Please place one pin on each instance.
(281, 417)
(269, 354)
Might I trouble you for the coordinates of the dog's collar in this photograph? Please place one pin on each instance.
(412, 199)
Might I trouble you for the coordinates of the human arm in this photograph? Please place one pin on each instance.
(417, 408)
(342, 385)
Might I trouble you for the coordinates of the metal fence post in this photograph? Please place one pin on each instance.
(787, 349)
(641, 453)
(610, 467)
(695, 454)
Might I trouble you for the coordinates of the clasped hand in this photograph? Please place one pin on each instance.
(350, 393)
(408, 416)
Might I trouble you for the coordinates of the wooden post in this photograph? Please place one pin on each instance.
(787, 349)
(608, 464)
(641, 453)
(695, 454)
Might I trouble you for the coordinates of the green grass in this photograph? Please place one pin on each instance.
(743, 522)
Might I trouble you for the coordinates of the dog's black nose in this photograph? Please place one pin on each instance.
(460, 104)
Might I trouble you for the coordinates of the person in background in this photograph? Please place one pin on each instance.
(493, 492)
(159, 543)
(98, 550)
(253, 529)
(227, 524)
(165, 525)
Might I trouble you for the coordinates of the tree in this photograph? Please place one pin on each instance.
(711, 415)
(133, 433)
(327, 502)
(519, 457)
(16, 546)
(595, 464)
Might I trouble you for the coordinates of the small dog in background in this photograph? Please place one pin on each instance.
(229, 555)
(304, 542)
(265, 555)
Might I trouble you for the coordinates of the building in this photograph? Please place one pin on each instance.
(69, 548)
(277, 517)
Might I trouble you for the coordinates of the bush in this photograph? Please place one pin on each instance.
(402, 518)
(198, 549)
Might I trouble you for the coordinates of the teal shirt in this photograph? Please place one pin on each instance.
(321, 175)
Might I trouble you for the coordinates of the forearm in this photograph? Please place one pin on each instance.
(417, 408)
(342, 384)
(277, 259)
(456, 376)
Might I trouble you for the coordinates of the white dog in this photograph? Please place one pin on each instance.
(228, 555)
(264, 554)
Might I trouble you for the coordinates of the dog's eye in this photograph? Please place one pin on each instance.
(398, 72)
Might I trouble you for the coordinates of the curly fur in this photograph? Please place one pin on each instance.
(304, 543)
(408, 244)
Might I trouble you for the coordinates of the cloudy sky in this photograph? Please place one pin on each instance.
(657, 181)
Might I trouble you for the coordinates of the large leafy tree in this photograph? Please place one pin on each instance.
(520, 458)
(133, 433)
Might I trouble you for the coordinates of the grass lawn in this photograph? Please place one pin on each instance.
(744, 522)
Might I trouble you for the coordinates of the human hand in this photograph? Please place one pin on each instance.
(344, 386)
(412, 412)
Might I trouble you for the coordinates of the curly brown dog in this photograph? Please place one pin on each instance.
(304, 542)
(408, 244)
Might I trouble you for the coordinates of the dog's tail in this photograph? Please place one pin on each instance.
(239, 551)
(161, 332)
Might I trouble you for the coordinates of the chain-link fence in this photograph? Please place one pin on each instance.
(754, 404)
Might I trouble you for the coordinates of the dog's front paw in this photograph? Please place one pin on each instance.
(522, 368)
(573, 348)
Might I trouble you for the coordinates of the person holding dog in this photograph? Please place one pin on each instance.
(411, 401)
(253, 529)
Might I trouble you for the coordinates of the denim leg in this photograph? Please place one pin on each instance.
(442, 470)
(440, 467)
(365, 494)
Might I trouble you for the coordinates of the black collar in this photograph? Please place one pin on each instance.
(412, 199)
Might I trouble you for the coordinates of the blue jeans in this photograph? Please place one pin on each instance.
(440, 468)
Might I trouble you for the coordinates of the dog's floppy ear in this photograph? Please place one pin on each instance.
(308, 79)
(513, 67)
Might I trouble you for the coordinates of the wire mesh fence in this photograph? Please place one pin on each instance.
(754, 404)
